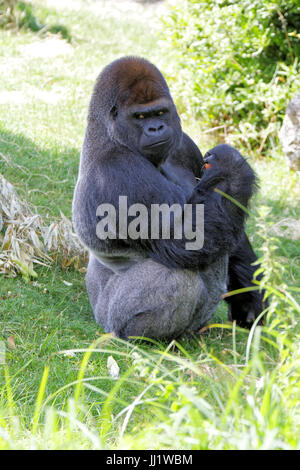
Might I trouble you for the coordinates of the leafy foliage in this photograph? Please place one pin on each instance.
(7, 13)
(239, 62)
(16, 14)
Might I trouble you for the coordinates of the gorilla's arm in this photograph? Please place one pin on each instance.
(188, 155)
(184, 165)
(120, 174)
(142, 183)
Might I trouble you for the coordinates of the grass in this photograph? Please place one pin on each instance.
(225, 389)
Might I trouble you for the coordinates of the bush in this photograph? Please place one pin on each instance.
(239, 63)
(7, 13)
(17, 14)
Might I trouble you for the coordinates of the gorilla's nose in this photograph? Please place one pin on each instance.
(155, 136)
(155, 130)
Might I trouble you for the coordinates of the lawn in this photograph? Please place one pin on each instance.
(224, 389)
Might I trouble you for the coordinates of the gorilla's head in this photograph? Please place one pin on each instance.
(132, 101)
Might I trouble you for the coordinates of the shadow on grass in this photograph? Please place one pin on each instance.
(44, 177)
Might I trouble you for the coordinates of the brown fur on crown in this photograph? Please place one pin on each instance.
(131, 80)
(142, 91)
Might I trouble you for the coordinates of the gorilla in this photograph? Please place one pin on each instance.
(134, 146)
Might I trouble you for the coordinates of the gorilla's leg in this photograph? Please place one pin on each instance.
(146, 300)
(96, 279)
(214, 278)
(152, 300)
(245, 307)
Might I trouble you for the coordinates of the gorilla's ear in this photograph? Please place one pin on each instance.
(114, 112)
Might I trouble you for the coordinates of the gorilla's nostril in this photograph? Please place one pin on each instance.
(156, 129)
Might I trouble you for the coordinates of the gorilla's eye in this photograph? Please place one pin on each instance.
(139, 116)
(160, 113)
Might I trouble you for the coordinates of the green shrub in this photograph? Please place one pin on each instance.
(17, 14)
(7, 13)
(238, 63)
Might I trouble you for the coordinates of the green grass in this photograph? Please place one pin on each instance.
(224, 389)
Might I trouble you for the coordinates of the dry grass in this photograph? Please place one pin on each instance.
(27, 239)
(288, 227)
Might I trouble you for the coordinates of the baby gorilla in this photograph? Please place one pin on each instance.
(134, 147)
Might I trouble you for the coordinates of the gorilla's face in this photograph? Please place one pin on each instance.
(150, 129)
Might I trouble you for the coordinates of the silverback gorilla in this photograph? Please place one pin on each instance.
(134, 147)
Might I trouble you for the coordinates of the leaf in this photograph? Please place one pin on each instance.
(11, 342)
(113, 368)
(25, 269)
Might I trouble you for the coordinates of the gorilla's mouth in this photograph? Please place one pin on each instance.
(156, 144)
